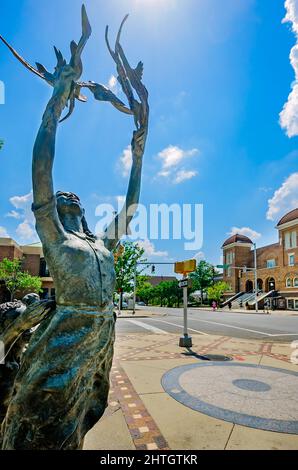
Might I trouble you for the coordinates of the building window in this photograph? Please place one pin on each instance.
(271, 263)
(296, 282)
(290, 240)
(44, 270)
(292, 304)
(289, 282)
(291, 259)
(229, 257)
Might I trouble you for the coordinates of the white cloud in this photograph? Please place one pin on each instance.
(171, 159)
(150, 250)
(248, 232)
(22, 204)
(120, 200)
(172, 156)
(200, 256)
(112, 84)
(3, 233)
(289, 114)
(164, 173)
(184, 175)
(14, 215)
(126, 161)
(25, 231)
(284, 199)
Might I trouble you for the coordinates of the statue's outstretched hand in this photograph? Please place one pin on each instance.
(131, 80)
(65, 77)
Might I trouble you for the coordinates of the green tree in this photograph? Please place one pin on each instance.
(126, 256)
(203, 277)
(167, 293)
(216, 291)
(16, 279)
(145, 292)
(142, 281)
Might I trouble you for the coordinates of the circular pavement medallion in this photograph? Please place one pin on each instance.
(256, 396)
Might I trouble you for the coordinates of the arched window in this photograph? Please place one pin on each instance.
(288, 282)
(296, 282)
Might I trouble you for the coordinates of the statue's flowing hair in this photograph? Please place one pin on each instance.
(86, 229)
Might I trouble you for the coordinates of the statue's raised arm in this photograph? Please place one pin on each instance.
(66, 90)
(130, 80)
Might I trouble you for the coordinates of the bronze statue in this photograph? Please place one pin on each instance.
(62, 386)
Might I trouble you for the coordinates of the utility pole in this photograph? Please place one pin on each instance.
(256, 276)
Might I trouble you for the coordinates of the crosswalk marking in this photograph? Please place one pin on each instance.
(148, 327)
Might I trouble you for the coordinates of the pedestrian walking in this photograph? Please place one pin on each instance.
(214, 305)
(267, 306)
(230, 306)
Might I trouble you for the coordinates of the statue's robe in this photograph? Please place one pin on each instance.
(62, 387)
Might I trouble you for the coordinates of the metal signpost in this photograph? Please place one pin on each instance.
(185, 267)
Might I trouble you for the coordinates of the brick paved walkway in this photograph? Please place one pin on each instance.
(142, 427)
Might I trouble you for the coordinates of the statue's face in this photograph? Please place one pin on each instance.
(69, 203)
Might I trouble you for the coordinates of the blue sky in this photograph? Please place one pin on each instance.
(218, 73)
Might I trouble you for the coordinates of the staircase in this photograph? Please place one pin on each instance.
(260, 297)
(245, 297)
(231, 299)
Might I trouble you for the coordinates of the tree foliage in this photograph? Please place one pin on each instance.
(203, 276)
(16, 279)
(126, 256)
(216, 291)
(166, 293)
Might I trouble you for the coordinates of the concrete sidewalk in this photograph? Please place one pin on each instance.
(141, 313)
(142, 415)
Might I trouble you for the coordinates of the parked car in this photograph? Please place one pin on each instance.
(141, 304)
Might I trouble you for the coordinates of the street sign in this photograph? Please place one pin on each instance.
(183, 283)
(184, 267)
(223, 266)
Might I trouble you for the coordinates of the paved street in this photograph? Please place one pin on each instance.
(283, 328)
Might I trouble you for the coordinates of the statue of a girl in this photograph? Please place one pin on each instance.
(62, 387)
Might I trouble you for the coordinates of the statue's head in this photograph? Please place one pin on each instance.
(69, 204)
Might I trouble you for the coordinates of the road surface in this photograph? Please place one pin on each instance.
(240, 325)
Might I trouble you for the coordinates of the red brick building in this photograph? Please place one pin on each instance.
(277, 265)
(156, 280)
(33, 262)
